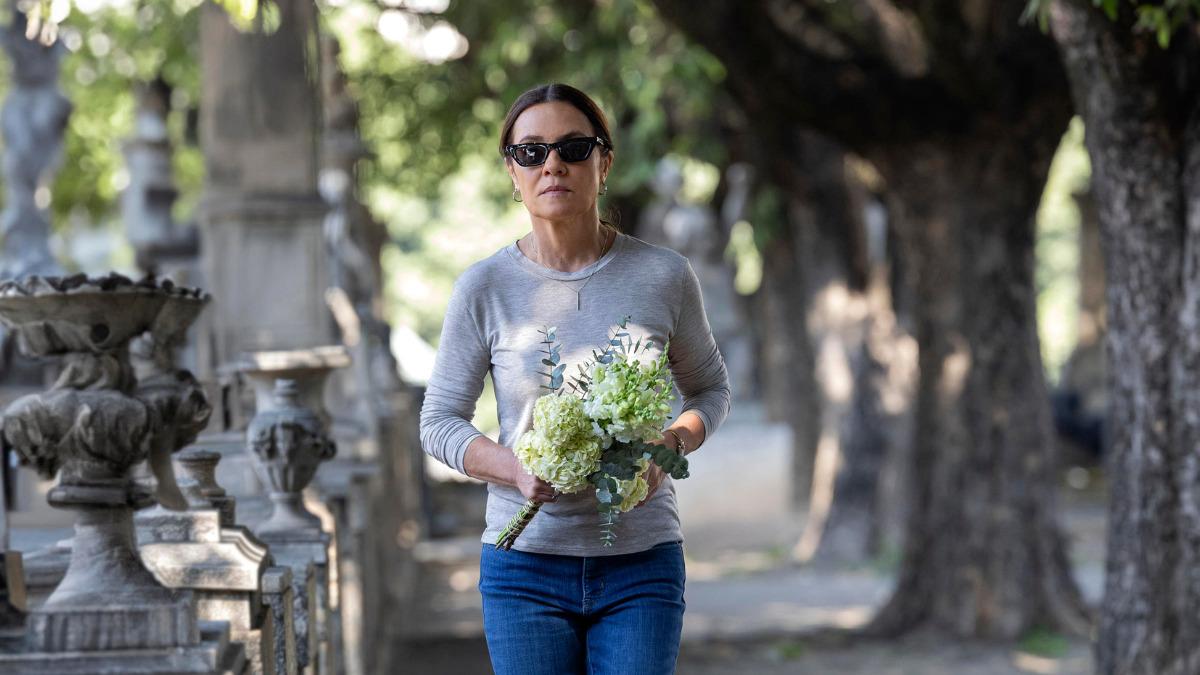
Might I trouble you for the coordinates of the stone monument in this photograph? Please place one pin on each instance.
(260, 131)
(108, 614)
(201, 549)
(288, 439)
(33, 119)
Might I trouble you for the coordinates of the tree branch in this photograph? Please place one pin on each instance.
(875, 71)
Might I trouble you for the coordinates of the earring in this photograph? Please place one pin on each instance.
(516, 194)
(603, 187)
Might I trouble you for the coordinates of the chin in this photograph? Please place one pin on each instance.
(565, 209)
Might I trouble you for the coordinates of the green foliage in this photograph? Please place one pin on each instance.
(1057, 250)
(1041, 641)
(766, 212)
(423, 118)
(437, 177)
(111, 49)
(1163, 18)
(790, 650)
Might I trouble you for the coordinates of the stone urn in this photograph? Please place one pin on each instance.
(308, 368)
(90, 428)
(288, 437)
(289, 443)
(176, 396)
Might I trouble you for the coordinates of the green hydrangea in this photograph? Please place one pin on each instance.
(629, 400)
(561, 448)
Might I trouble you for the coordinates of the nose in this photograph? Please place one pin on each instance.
(554, 164)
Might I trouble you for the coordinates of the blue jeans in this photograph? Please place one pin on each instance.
(559, 614)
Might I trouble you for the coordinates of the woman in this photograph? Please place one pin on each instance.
(560, 602)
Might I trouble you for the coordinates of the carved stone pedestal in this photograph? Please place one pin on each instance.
(278, 598)
(288, 438)
(108, 614)
(202, 550)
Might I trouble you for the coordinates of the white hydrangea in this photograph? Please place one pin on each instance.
(561, 448)
(629, 400)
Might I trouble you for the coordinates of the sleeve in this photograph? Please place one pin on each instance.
(461, 363)
(696, 363)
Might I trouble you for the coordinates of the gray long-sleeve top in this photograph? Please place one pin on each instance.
(496, 310)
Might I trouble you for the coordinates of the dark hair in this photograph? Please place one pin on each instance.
(547, 93)
(565, 93)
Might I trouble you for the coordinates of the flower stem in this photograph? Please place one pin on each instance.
(516, 526)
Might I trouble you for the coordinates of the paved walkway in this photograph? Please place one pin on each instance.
(745, 600)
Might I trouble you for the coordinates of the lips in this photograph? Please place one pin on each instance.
(553, 189)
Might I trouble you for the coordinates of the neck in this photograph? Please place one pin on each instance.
(565, 248)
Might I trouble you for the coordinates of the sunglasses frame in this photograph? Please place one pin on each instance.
(511, 150)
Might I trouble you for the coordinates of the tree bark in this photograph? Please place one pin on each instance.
(833, 269)
(1141, 108)
(984, 555)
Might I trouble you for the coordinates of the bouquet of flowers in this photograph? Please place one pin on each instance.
(601, 434)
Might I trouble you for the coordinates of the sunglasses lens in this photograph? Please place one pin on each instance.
(575, 151)
(530, 155)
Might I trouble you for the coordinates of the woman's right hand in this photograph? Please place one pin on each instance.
(535, 488)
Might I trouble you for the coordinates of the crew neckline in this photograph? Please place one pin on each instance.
(532, 267)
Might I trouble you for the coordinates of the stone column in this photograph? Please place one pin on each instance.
(163, 247)
(261, 214)
(108, 614)
(201, 549)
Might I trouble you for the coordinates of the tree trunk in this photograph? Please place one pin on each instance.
(829, 222)
(960, 107)
(786, 360)
(875, 432)
(983, 554)
(1141, 108)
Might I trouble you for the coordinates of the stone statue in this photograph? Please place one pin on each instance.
(33, 119)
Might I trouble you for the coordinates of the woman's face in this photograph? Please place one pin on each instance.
(557, 190)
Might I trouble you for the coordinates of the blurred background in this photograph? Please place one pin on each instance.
(889, 206)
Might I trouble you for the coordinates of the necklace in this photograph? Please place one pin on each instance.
(578, 291)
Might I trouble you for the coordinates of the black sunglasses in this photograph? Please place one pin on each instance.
(571, 150)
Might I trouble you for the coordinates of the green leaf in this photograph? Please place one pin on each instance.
(548, 362)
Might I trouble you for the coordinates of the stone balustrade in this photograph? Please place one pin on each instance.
(250, 580)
